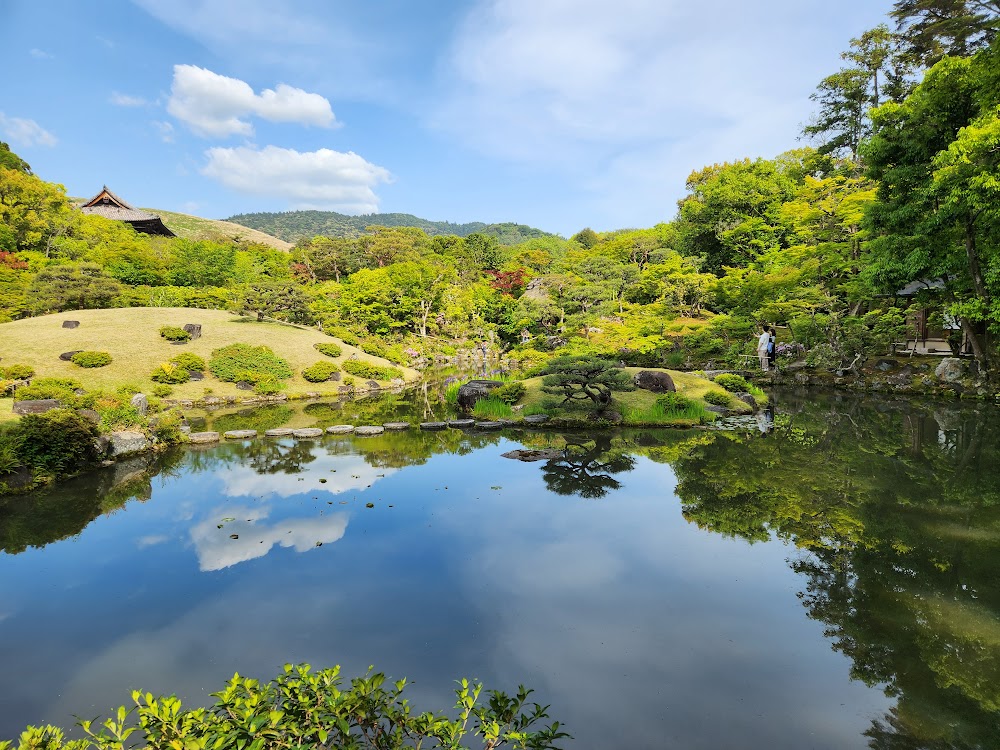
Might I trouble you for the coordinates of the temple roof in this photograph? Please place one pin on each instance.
(110, 206)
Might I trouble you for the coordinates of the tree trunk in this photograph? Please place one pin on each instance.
(978, 350)
(972, 253)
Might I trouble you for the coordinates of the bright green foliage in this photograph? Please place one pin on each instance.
(330, 350)
(202, 263)
(268, 386)
(17, 372)
(320, 372)
(578, 378)
(669, 409)
(674, 401)
(733, 383)
(370, 371)
(72, 287)
(174, 333)
(91, 359)
(301, 708)
(161, 390)
(61, 389)
(509, 393)
(168, 372)
(10, 160)
(32, 209)
(251, 363)
(59, 441)
(10, 449)
(717, 398)
(275, 299)
(492, 408)
(189, 361)
(117, 414)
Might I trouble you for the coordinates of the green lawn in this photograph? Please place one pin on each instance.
(131, 336)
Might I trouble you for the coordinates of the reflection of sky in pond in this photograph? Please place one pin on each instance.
(639, 628)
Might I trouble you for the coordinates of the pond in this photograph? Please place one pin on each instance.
(829, 583)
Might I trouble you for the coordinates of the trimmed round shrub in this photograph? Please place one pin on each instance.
(162, 390)
(268, 386)
(91, 359)
(174, 333)
(170, 373)
(733, 383)
(717, 398)
(674, 402)
(330, 350)
(369, 371)
(320, 372)
(59, 441)
(190, 362)
(62, 389)
(509, 393)
(18, 372)
(254, 364)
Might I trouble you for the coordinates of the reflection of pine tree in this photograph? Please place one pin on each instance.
(274, 457)
(582, 472)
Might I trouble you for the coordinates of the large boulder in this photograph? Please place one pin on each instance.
(67, 356)
(655, 381)
(951, 370)
(127, 442)
(469, 393)
(36, 406)
(71, 324)
(194, 329)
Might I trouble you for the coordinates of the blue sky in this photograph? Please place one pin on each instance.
(556, 113)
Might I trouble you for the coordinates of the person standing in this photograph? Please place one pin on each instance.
(772, 349)
(762, 341)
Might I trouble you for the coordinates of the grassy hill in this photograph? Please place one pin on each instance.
(197, 228)
(293, 225)
(131, 336)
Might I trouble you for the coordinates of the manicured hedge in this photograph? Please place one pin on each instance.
(371, 372)
(91, 359)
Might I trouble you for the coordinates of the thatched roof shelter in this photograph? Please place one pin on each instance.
(110, 206)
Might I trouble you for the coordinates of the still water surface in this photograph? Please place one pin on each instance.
(830, 584)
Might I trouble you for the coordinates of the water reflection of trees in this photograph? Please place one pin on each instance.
(896, 512)
(585, 468)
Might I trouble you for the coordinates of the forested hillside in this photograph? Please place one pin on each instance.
(295, 225)
(900, 186)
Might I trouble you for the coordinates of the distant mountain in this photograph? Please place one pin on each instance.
(293, 225)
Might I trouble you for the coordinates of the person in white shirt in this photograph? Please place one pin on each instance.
(762, 343)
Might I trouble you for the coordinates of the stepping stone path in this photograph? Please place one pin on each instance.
(279, 432)
(433, 425)
(308, 432)
(240, 434)
(461, 423)
(397, 426)
(203, 437)
(536, 418)
(340, 429)
(489, 425)
(369, 430)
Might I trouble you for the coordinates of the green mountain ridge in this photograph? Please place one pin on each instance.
(294, 225)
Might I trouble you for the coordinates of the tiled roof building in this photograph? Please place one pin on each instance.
(110, 206)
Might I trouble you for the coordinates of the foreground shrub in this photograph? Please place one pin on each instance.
(10, 449)
(268, 386)
(509, 393)
(254, 364)
(17, 372)
(63, 390)
(330, 350)
(117, 415)
(733, 383)
(320, 372)
(173, 333)
(170, 373)
(492, 408)
(674, 402)
(190, 362)
(371, 372)
(91, 359)
(162, 391)
(300, 709)
(59, 441)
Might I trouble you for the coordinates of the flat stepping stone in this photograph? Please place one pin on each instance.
(370, 429)
(340, 429)
(433, 425)
(536, 418)
(489, 425)
(461, 423)
(279, 432)
(240, 434)
(544, 454)
(203, 437)
(308, 432)
(397, 426)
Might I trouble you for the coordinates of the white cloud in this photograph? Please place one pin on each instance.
(317, 179)
(165, 130)
(22, 132)
(124, 100)
(40, 54)
(216, 549)
(214, 105)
